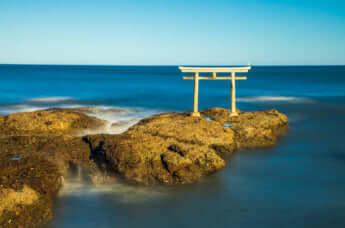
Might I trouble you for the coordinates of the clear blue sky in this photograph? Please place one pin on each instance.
(222, 32)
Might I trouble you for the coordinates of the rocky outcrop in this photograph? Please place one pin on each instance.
(173, 148)
(48, 122)
(37, 149)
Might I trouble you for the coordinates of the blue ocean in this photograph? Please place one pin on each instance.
(300, 182)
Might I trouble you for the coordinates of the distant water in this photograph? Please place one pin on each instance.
(298, 183)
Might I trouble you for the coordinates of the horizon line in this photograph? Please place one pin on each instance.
(71, 64)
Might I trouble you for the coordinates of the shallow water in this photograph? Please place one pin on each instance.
(298, 183)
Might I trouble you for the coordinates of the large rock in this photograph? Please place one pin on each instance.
(175, 148)
(48, 122)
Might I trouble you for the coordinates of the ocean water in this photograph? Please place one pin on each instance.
(298, 183)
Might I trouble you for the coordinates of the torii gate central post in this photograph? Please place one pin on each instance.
(214, 70)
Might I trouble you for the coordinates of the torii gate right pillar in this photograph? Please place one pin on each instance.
(233, 95)
(195, 112)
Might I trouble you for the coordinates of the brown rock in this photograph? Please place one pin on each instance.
(174, 148)
(48, 122)
(252, 129)
(27, 186)
(10, 199)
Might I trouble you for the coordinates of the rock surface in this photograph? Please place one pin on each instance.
(251, 129)
(38, 148)
(173, 148)
(27, 187)
(48, 122)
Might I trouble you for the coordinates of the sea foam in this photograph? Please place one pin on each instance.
(119, 119)
(275, 99)
(49, 99)
(117, 190)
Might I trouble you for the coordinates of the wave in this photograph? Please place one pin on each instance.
(275, 99)
(13, 108)
(49, 99)
(119, 119)
(16, 108)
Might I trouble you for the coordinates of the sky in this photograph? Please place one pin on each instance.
(178, 32)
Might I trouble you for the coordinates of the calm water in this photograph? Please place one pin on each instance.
(298, 183)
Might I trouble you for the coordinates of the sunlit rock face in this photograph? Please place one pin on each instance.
(251, 129)
(48, 122)
(174, 148)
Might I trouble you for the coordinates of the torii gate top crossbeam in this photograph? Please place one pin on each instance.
(214, 69)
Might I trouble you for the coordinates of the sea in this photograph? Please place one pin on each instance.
(300, 182)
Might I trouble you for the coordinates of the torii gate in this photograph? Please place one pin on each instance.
(214, 70)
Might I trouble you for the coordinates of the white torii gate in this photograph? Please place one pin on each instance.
(214, 70)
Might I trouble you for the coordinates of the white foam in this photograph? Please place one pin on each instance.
(275, 99)
(9, 109)
(20, 108)
(50, 99)
(118, 119)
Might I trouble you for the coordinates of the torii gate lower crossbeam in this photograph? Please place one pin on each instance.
(214, 70)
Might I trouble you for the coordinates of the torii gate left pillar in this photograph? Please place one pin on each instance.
(214, 71)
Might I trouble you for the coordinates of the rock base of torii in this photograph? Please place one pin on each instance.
(175, 148)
